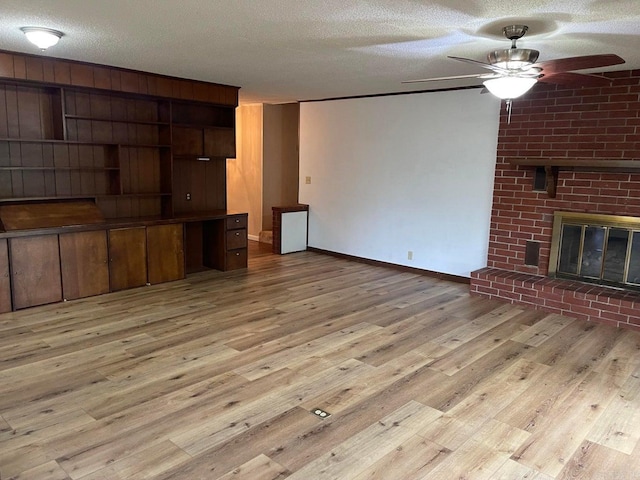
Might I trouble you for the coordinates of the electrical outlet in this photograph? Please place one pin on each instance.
(188, 196)
(307, 180)
(409, 255)
(320, 413)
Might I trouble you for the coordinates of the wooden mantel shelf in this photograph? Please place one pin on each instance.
(553, 165)
(581, 163)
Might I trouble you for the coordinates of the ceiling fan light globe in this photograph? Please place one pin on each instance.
(509, 87)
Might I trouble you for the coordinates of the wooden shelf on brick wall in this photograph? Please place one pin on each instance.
(553, 165)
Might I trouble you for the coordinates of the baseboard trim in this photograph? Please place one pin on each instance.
(394, 266)
(255, 238)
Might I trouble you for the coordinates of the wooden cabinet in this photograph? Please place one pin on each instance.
(165, 253)
(204, 143)
(236, 242)
(225, 243)
(5, 283)
(46, 268)
(127, 258)
(84, 263)
(203, 130)
(35, 269)
(127, 144)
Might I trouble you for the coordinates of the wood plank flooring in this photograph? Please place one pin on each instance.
(217, 376)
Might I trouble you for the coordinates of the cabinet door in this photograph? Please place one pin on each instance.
(5, 284)
(187, 141)
(219, 142)
(35, 268)
(127, 258)
(85, 269)
(165, 253)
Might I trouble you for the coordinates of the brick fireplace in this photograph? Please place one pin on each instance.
(589, 140)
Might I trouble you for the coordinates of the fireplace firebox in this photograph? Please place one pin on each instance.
(603, 249)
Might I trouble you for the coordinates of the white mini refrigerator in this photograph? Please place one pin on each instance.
(294, 232)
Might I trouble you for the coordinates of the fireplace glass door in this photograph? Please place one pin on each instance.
(596, 248)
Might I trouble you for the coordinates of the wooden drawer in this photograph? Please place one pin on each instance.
(239, 221)
(236, 259)
(236, 239)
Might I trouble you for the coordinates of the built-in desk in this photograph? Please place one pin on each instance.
(77, 253)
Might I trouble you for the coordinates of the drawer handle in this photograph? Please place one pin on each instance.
(237, 234)
(237, 254)
(237, 220)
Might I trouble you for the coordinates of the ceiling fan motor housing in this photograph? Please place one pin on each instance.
(513, 58)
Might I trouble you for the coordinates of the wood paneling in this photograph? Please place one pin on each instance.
(35, 270)
(199, 179)
(165, 253)
(64, 72)
(5, 282)
(193, 247)
(188, 141)
(127, 258)
(219, 142)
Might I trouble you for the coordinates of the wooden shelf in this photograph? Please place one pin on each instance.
(74, 169)
(82, 142)
(53, 140)
(149, 194)
(581, 163)
(553, 165)
(129, 139)
(45, 199)
(115, 120)
(140, 145)
(194, 157)
(201, 126)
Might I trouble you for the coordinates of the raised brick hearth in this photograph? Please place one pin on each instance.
(553, 122)
(574, 299)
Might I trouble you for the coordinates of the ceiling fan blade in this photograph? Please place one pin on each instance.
(578, 63)
(480, 64)
(452, 77)
(575, 79)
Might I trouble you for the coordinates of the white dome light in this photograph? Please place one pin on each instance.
(509, 87)
(42, 38)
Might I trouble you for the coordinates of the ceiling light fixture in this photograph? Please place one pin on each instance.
(509, 87)
(42, 38)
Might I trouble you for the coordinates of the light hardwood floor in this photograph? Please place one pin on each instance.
(216, 376)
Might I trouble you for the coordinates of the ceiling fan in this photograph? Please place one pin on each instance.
(515, 70)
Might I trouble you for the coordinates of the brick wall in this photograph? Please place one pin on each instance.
(558, 122)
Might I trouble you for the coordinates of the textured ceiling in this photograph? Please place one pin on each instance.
(287, 50)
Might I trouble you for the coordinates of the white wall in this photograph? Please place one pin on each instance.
(401, 173)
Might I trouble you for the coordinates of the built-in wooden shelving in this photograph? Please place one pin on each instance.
(131, 140)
